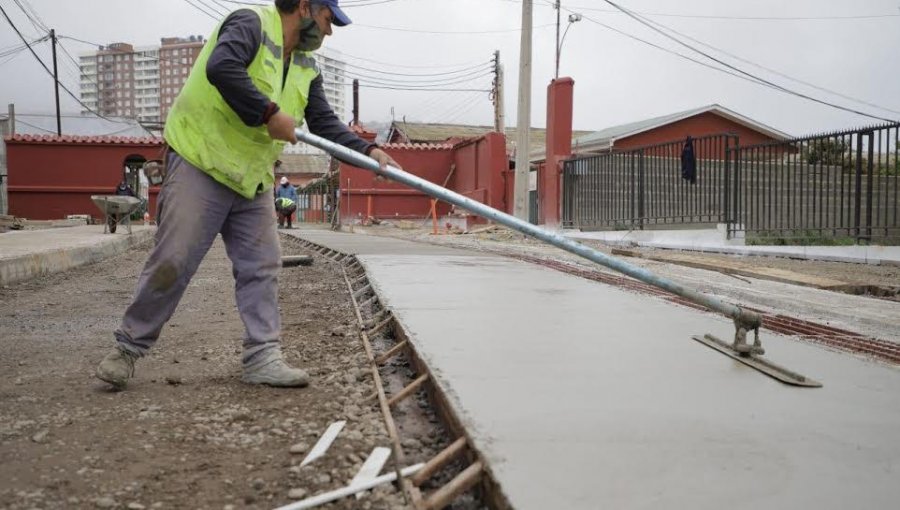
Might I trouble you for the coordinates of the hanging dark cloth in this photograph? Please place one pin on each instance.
(689, 162)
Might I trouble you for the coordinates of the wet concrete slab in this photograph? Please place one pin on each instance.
(582, 395)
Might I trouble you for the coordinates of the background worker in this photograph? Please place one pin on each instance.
(113, 220)
(253, 82)
(285, 202)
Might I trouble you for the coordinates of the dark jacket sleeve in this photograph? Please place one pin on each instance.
(322, 121)
(226, 69)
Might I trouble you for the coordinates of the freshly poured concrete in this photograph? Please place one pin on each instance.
(581, 395)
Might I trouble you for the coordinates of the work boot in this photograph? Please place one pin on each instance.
(116, 368)
(270, 369)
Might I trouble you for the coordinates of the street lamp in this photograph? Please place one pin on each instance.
(573, 18)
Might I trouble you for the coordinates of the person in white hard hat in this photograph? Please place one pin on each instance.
(285, 202)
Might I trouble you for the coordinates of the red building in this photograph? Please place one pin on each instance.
(707, 120)
(51, 177)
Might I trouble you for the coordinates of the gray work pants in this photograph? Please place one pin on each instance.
(192, 209)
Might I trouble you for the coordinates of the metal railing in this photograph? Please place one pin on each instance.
(841, 185)
(317, 202)
(644, 186)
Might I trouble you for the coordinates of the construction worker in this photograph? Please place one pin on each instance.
(253, 82)
(113, 220)
(285, 202)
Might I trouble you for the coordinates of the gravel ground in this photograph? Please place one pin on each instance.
(187, 433)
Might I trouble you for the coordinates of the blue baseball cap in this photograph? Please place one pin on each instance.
(338, 17)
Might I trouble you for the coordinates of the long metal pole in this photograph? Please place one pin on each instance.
(523, 120)
(744, 318)
(558, 49)
(56, 83)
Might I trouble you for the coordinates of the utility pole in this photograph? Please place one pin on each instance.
(355, 102)
(12, 119)
(56, 83)
(523, 120)
(499, 121)
(558, 10)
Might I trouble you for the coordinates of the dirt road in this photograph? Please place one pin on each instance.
(187, 433)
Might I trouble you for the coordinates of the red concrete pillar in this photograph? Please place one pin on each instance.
(559, 147)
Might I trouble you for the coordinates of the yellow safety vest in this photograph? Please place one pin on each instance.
(284, 202)
(205, 131)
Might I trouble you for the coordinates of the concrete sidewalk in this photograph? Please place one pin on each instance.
(714, 241)
(27, 254)
(581, 395)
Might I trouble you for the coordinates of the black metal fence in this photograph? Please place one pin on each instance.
(836, 185)
(646, 186)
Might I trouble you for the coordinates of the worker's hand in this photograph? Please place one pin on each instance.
(281, 127)
(383, 159)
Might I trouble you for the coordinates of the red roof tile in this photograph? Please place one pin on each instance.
(71, 139)
(418, 146)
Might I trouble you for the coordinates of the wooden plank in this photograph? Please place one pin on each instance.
(409, 389)
(439, 461)
(448, 493)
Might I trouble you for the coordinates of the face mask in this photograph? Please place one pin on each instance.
(310, 36)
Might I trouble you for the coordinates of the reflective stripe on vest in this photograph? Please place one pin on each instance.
(205, 131)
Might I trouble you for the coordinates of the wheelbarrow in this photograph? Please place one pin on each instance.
(116, 210)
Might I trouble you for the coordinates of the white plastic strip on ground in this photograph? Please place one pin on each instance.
(349, 490)
(371, 467)
(324, 442)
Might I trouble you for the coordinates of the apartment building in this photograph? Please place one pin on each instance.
(142, 83)
(176, 57)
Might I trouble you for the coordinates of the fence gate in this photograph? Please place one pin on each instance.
(645, 186)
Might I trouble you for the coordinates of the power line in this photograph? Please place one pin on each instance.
(201, 9)
(12, 50)
(725, 17)
(667, 50)
(737, 69)
(405, 66)
(394, 73)
(213, 8)
(361, 84)
(448, 32)
(428, 82)
(773, 71)
(13, 25)
(33, 19)
(120, 51)
(416, 86)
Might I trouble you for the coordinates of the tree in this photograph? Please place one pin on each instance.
(828, 151)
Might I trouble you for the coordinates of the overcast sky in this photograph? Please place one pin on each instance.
(617, 79)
